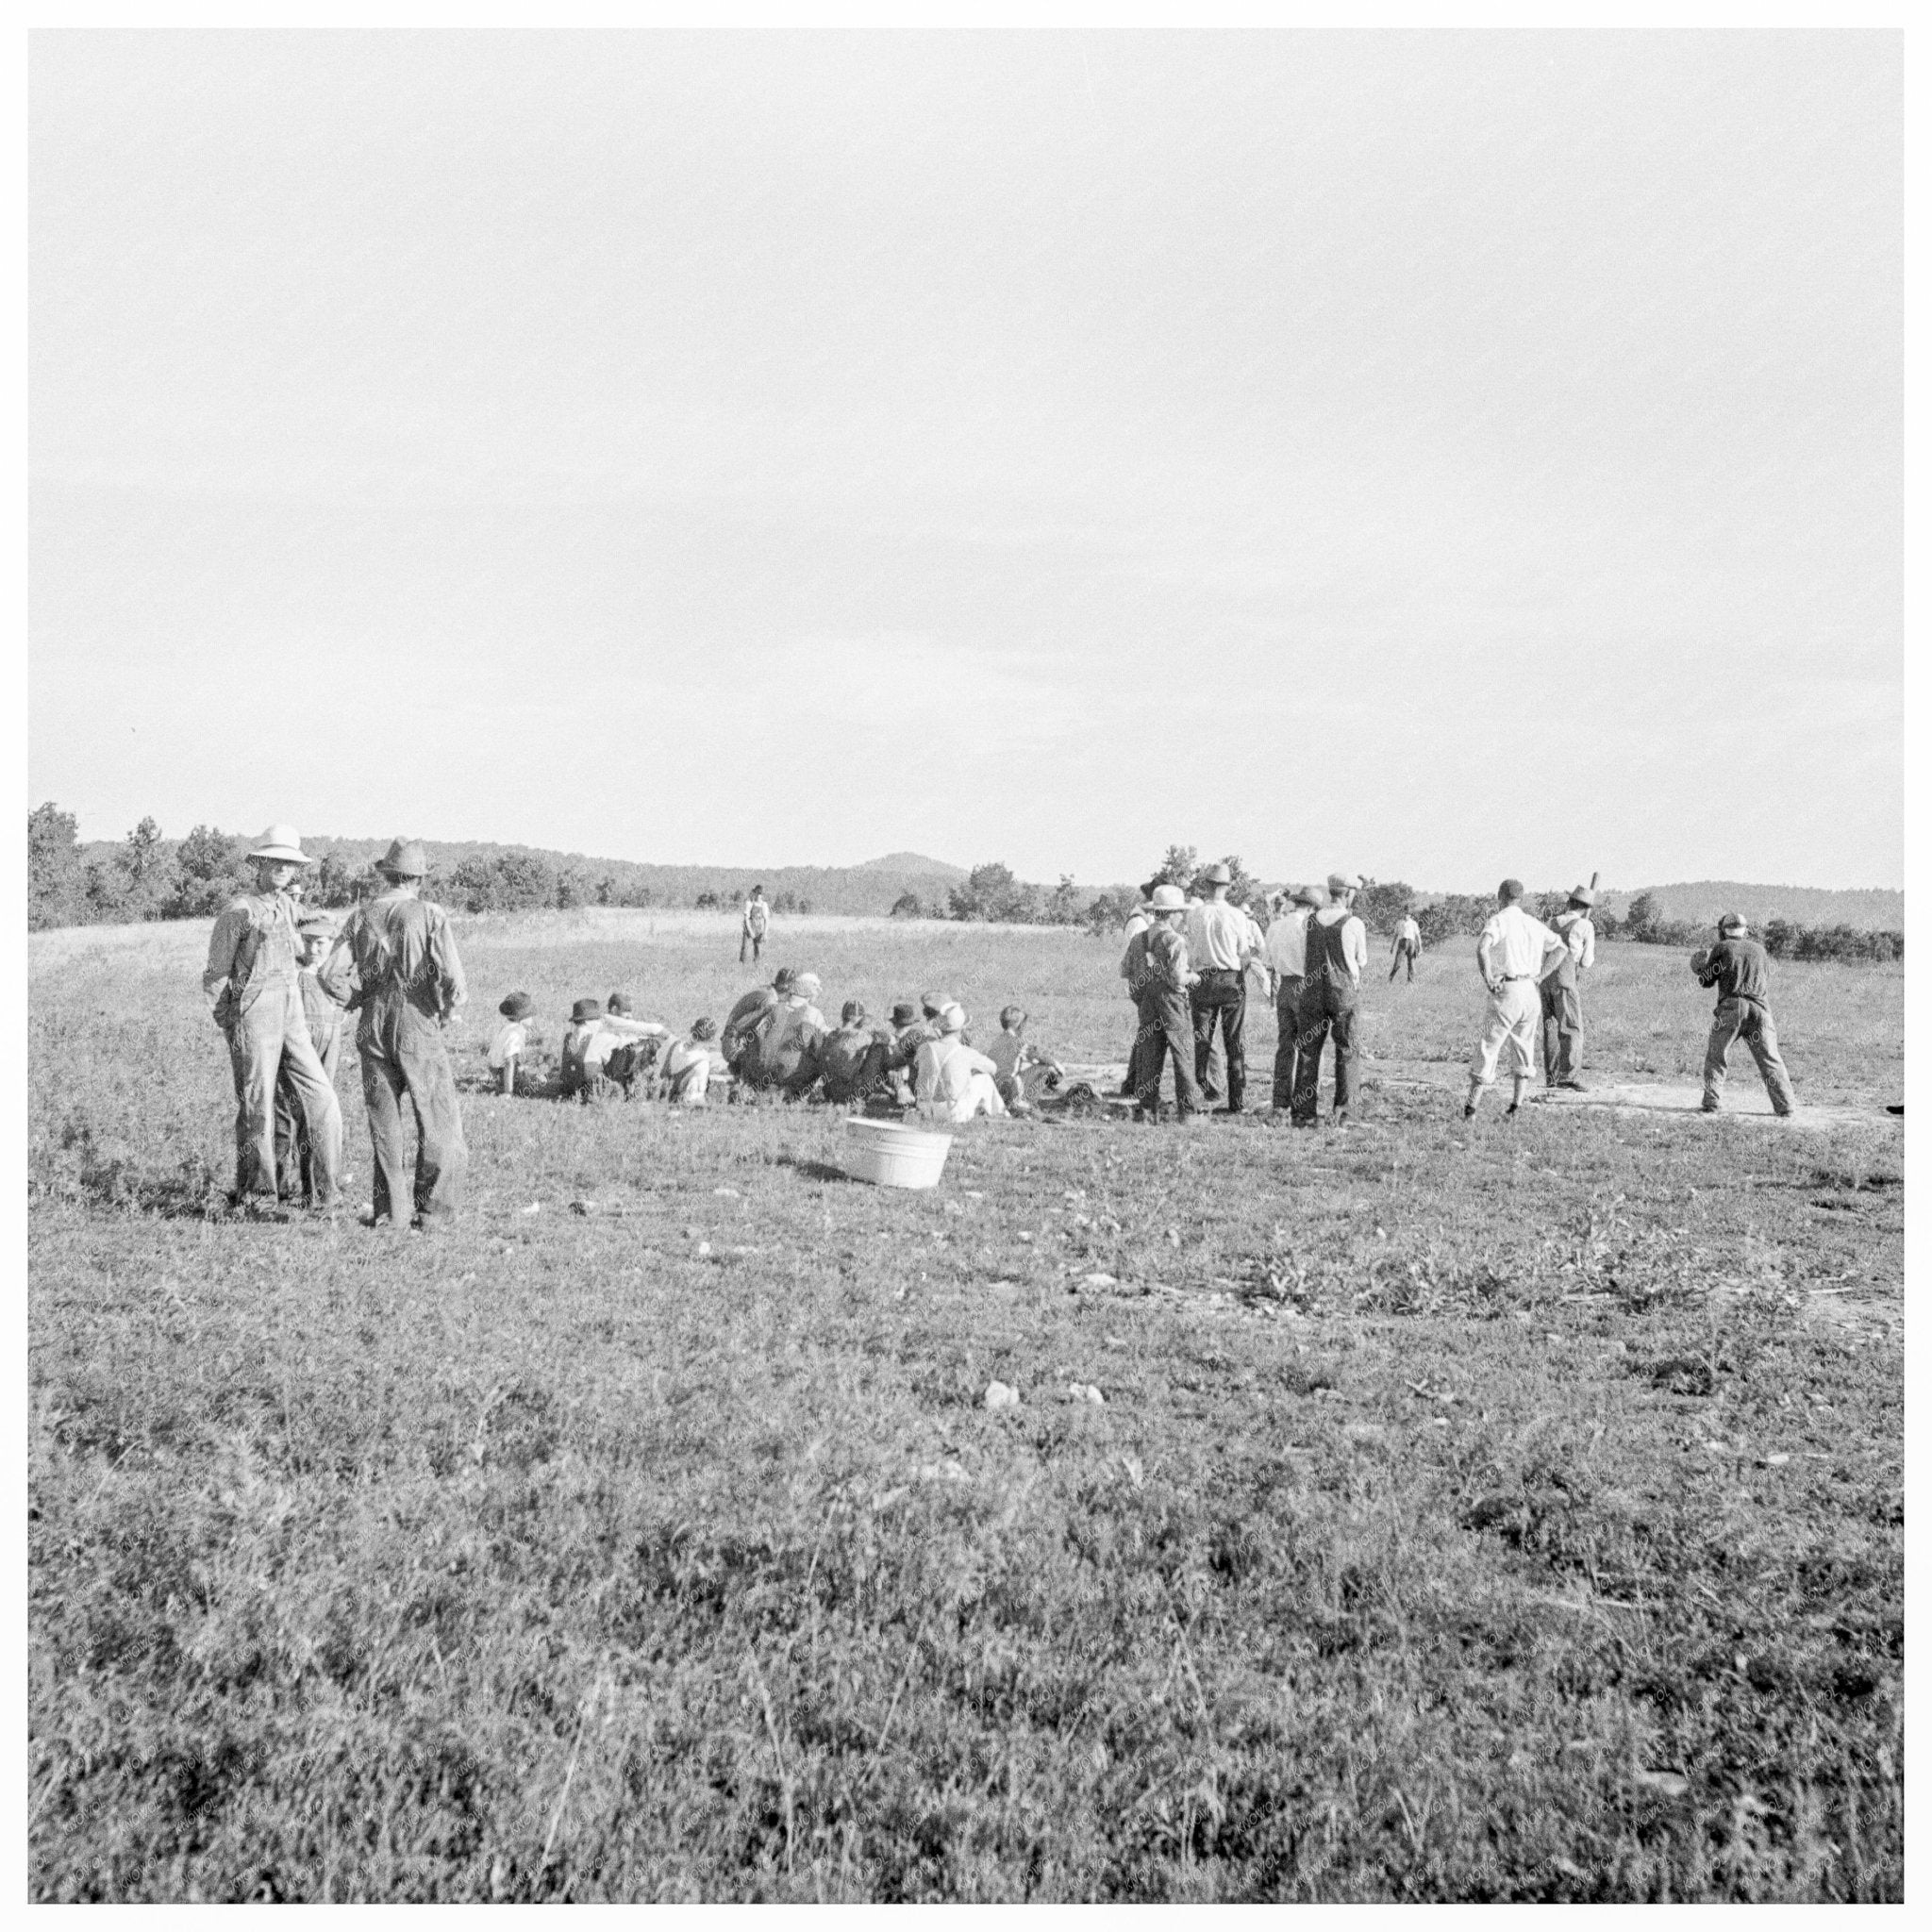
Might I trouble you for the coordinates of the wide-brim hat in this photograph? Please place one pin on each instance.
(953, 1017)
(1310, 895)
(1214, 875)
(404, 860)
(585, 1009)
(1167, 899)
(283, 844)
(904, 1013)
(1344, 882)
(519, 1005)
(1582, 895)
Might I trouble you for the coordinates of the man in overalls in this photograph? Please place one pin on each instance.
(1562, 1007)
(294, 1152)
(251, 982)
(396, 963)
(1338, 949)
(1161, 978)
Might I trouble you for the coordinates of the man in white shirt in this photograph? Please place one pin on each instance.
(1222, 940)
(950, 1080)
(1514, 951)
(1562, 1007)
(1285, 953)
(1408, 948)
(1338, 950)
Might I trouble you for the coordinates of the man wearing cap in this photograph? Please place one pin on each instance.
(1163, 979)
(251, 983)
(1338, 950)
(756, 917)
(1285, 953)
(742, 1020)
(1512, 955)
(1221, 941)
(1562, 1007)
(296, 1164)
(396, 963)
(950, 1080)
(1739, 969)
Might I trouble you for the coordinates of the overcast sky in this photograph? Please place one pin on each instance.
(1437, 455)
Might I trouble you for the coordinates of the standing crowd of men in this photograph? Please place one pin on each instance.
(280, 982)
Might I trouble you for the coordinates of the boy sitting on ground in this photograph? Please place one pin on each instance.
(1021, 1071)
(690, 1066)
(635, 1045)
(512, 1040)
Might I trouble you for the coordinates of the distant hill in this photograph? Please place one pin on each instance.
(913, 864)
(1702, 901)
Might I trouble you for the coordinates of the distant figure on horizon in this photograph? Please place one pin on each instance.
(754, 920)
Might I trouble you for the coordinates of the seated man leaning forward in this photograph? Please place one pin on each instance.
(690, 1066)
(783, 1052)
(1021, 1071)
(950, 1080)
(852, 1061)
(742, 1022)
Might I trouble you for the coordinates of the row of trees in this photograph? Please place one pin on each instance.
(147, 877)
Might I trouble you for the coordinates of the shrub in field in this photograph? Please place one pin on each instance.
(55, 884)
(1383, 905)
(992, 892)
(906, 906)
(1109, 911)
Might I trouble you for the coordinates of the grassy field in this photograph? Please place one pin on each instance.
(1506, 1512)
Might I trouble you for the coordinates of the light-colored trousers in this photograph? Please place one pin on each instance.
(268, 1037)
(1509, 1029)
(1749, 1020)
(981, 1096)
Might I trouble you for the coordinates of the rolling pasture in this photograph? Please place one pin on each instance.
(1511, 1510)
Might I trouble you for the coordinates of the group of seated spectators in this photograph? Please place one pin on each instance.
(775, 1042)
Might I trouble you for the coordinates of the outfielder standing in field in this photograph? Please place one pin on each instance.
(1337, 951)
(1512, 955)
(396, 963)
(756, 917)
(1740, 970)
(1408, 948)
(251, 981)
(1561, 1006)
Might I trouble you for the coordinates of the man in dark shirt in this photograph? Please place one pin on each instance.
(1739, 969)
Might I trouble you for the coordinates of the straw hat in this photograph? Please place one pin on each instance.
(282, 844)
(1582, 895)
(1344, 882)
(1310, 895)
(1215, 876)
(953, 1017)
(1167, 899)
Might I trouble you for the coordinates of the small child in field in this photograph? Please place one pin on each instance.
(690, 1066)
(323, 1016)
(512, 1040)
(1023, 1071)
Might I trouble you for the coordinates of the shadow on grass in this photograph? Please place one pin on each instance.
(813, 1170)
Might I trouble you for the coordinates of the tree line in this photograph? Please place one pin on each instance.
(147, 877)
